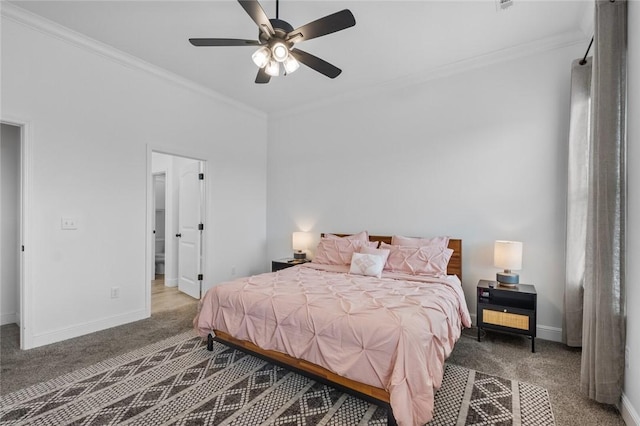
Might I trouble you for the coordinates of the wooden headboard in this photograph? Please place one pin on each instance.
(455, 263)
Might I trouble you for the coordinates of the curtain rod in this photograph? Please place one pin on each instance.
(584, 60)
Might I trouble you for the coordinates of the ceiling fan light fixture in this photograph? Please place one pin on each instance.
(261, 57)
(280, 51)
(276, 38)
(290, 64)
(272, 68)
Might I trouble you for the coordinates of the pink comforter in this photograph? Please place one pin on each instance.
(386, 332)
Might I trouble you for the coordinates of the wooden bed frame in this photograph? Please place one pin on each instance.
(361, 390)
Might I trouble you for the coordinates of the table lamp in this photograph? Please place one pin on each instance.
(300, 242)
(508, 256)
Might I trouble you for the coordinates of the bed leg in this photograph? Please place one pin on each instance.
(209, 342)
(391, 420)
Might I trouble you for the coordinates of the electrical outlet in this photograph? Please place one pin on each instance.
(115, 292)
(627, 357)
(233, 271)
(69, 223)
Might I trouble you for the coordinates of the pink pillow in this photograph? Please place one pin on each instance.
(380, 252)
(336, 251)
(426, 260)
(398, 240)
(360, 236)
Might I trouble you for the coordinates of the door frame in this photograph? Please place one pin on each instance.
(150, 238)
(24, 218)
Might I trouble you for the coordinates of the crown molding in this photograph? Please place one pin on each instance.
(505, 55)
(50, 28)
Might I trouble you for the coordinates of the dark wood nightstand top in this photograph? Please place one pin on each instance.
(278, 264)
(519, 288)
(291, 261)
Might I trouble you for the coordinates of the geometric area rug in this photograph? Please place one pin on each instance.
(178, 382)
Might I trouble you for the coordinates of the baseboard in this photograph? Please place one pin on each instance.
(549, 333)
(544, 332)
(11, 318)
(170, 282)
(629, 414)
(86, 328)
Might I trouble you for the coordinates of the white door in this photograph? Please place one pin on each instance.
(190, 236)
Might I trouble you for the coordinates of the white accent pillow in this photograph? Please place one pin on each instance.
(380, 252)
(367, 264)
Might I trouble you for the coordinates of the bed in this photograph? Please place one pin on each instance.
(384, 339)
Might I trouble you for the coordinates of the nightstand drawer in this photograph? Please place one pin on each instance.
(505, 319)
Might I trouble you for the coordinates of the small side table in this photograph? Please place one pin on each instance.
(507, 309)
(279, 264)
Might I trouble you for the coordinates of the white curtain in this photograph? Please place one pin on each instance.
(601, 227)
(577, 196)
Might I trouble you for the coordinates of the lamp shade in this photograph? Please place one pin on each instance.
(507, 255)
(301, 240)
(261, 57)
(290, 64)
(272, 68)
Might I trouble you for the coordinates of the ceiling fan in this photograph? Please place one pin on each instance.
(277, 38)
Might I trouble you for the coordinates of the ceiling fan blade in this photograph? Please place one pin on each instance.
(316, 63)
(329, 24)
(256, 12)
(223, 42)
(262, 77)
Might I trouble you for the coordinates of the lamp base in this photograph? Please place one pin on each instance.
(299, 255)
(507, 279)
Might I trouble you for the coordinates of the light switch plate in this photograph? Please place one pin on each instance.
(69, 223)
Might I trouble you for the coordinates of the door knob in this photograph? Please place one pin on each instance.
(178, 235)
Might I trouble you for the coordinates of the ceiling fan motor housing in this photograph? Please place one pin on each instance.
(281, 28)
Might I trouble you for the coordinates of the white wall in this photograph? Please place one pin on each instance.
(95, 122)
(10, 232)
(631, 399)
(479, 155)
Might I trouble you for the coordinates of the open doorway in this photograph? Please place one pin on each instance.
(177, 217)
(10, 232)
(159, 223)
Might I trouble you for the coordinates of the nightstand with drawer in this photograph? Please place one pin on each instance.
(507, 309)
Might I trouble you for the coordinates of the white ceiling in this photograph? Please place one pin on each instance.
(392, 41)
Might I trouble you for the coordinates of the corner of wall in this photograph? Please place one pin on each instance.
(629, 413)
